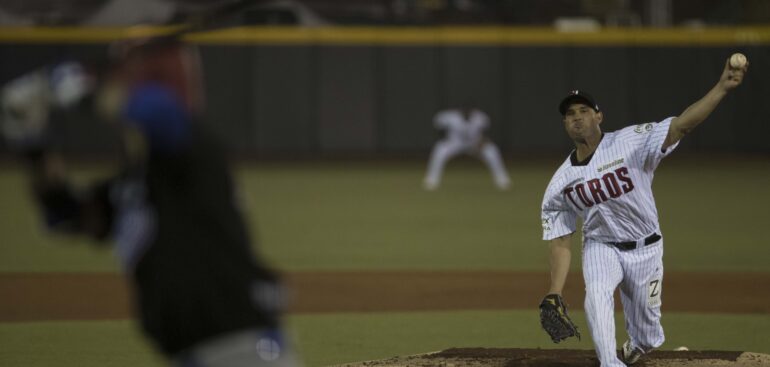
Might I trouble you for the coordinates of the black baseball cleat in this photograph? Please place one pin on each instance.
(630, 355)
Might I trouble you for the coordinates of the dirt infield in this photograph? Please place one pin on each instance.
(103, 296)
(510, 357)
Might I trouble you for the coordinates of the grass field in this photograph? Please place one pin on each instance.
(375, 216)
(337, 338)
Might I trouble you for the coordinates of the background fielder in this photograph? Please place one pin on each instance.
(465, 134)
(607, 181)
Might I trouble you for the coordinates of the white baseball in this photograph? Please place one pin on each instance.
(681, 349)
(737, 61)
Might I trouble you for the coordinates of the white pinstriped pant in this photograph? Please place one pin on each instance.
(639, 273)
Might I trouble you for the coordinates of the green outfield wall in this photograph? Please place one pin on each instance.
(370, 90)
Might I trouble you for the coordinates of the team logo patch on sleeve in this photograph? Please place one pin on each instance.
(643, 128)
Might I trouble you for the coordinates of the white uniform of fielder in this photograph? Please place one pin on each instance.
(465, 134)
(607, 182)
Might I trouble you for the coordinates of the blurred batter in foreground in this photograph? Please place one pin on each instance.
(202, 296)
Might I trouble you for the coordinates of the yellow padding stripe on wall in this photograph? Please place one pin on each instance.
(482, 36)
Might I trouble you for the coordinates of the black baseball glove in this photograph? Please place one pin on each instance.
(554, 319)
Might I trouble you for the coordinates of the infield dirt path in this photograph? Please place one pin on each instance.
(105, 296)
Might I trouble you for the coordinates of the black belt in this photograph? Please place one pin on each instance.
(631, 245)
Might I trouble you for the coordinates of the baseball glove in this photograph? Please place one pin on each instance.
(554, 319)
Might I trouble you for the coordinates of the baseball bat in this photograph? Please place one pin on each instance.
(212, 18)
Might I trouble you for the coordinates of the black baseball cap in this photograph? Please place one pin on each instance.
(578, 96)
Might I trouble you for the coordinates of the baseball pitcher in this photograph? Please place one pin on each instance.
(607, 182)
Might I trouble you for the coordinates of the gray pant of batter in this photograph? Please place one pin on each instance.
(247, 348)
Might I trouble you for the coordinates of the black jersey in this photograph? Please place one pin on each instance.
(177, 229)
(195, 273)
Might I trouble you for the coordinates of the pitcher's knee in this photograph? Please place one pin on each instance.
(598, 295)
(600, 291)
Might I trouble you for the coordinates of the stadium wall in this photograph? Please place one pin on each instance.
(374, 91)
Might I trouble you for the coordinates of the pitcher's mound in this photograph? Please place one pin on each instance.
(509, 357)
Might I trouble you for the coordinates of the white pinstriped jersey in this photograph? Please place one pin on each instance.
(612, 191)
(459, 130)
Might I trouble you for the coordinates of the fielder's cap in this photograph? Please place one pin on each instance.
(577, 96)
